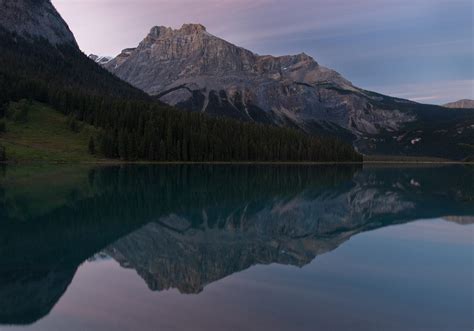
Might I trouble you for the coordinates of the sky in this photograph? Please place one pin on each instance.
(421, 50)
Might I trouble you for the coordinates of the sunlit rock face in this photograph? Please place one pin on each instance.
(196, 71)
(34, 19)
(193, 69)
(464, 104)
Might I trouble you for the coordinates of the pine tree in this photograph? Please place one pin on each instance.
(152, 152)
(3, 154)
(73, 125)
(92, 146)
(3, 110)
(162, 150)
(132, 147)
(134, 125)
(184, 151)
(123, 145)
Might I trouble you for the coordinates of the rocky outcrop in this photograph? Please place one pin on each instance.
(196, 71)
(33, 19)
(190, 68)
(102, 60)
(461, 104)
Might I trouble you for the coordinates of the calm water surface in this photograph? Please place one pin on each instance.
(236, 248)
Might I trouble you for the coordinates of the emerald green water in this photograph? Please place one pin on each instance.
(236, 248)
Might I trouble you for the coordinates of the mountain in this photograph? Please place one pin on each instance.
(191, 68)
(40, 63)
(194, 70)
(461, 104)
(39, 53)
(35, 19)
(100, 59)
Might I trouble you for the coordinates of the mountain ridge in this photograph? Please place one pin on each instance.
(461, 104)
(49, 68)
(196, 71)
(193, 70)
(189, 59)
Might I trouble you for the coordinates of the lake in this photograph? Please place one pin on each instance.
(236, 247)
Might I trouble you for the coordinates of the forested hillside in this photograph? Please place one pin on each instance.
(132, 125)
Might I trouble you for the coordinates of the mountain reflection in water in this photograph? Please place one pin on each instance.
(187, 226)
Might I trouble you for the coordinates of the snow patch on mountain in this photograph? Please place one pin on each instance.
(100, 59)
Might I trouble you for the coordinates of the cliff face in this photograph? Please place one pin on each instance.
(33, 19)
(196, 71)
(192, 69)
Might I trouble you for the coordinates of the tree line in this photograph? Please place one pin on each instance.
(133, 125)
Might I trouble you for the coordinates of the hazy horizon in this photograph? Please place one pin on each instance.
(420, 50)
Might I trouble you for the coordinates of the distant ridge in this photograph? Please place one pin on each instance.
(461, 104)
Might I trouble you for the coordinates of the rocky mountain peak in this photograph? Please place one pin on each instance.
(163, 32)
(186, 29)
(158, 31)
(192, 57)
(194, 70)
(304, 57)
(193, 28)
(33, 19)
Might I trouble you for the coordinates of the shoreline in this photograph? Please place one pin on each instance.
(119, 162)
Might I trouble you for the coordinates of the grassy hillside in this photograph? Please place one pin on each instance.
(45, 135)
